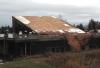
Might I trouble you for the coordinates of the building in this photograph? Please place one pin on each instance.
(46, 33)
(39, 35)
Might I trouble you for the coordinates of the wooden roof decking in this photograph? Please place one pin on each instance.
(44, 24)
(47, 24)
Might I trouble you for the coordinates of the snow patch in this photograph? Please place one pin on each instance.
(76, 30)
(22, 19)
(61, 31)
(40, 16)
(66, 25)
(54, 16)
(36, 31)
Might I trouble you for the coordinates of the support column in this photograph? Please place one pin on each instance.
(30, 49)
(4, 48)
(25, 49)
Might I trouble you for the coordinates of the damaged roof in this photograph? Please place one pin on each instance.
(47, 24)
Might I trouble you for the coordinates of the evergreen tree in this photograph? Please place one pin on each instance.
(92, 25)
(80, 26)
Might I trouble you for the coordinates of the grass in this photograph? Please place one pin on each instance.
(27, 63)
(84, 59)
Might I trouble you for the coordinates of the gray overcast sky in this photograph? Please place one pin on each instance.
(75, 11)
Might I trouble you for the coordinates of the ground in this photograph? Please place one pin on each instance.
(84, 59)
(26, 63)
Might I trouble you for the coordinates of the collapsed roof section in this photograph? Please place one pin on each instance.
(47, 24)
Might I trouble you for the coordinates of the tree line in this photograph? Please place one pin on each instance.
(6, 28)
(92, 26)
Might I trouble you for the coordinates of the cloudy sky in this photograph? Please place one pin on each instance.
(74, 11)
